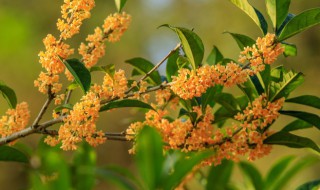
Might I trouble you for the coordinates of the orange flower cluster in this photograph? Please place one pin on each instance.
(113, 28)
(45, 80)
(15, 120)
(80, 124)
(193, 83)
(230, 142)
(115, 25)
(73, 13)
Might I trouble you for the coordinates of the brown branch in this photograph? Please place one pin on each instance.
(43, 110)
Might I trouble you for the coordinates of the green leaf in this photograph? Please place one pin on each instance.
(299, 23)
(296, 125)
(73, 85)
(277, 11)
(252, 174)
(125, 172)
(124, 104)
(8, 154)
(149, 157)
(207, 98)
(172, 67)
(283, 180)
(215, 56)
(242, 40)
(289, 50)
(289, 82)
(110, 69)
(9, 95)
(219, 176)
(221, 115)
(64, 106)
(84, 162)
(288, 18)
(291, 140)
(183, 62)
(243, 102)
(277, 170)
(312, 185)
(116, 178)
(253, 13)
(307, 100)
(257, 84)
(80, 73)
(191, 44)
(120, 4)
(305, 116)
(144, 66)
(182, 167)
(228, 101)
(249, 89)
(265, 78)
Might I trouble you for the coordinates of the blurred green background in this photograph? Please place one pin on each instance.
(25, 23)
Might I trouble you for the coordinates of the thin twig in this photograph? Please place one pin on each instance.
(68, 97)
(43, 110)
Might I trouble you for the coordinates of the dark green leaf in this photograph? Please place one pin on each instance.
(289, 50)
(253, 13)
(172, 67)
(305, 116)
(277, 11)
(283, 180)
(215, 56)
(207, 98)
(257, 84)
(312, 185)
(265, 78)
(296, 125)
(120, 4)
(307, 100)
(277, 170)
(221, 115)
(252, 174)
(191, 44)
(242, 40)
(116, 178)
(149, 157)
(182, 167)
(243, 102)
(249, 89)
(219, 176)
(144, 66)
(291, 140)
(80, 73)
(9, 95)
(110, 69)
(301, 22)
(288, 18)
(289, 82)
(84, 162)
(8, 154)
(228, 101)
(124, 104)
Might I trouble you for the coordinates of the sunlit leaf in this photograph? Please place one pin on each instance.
(253, 13)
(124, 104)
(291, 140)
(191, 44)
(80, 73)
(301, 22)
(289, 50)
(110, 69)
(215, 56)
(307, 100)
(9, 154)
(120, 4)
(288, 18)
(64, 106)
(8, 94)
(311, 118)
(277, 11)
(144, 66)
(296, 125)
(242, 40)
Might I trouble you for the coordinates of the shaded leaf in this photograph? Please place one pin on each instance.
(228, 101)
(242, 40)
(257, 84)
(172, 67)
(305, 116)
(219, 176)
(252, 174)
(124, 104)
(253, 13)
(291, 140)
(301, 22)
(191, 44)
(208, 97)
(277, 11)
(215, 56)
(80, 73)
(312, 185)
(144, 66)
(8, 154)
(116, 178)
(9, 95)
(149, 157)
(120, 4)
(307, 100)
(249, 89)
(296, 125)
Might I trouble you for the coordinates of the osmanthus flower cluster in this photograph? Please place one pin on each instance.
(14, 120)
(193, 83)
(229, 142)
